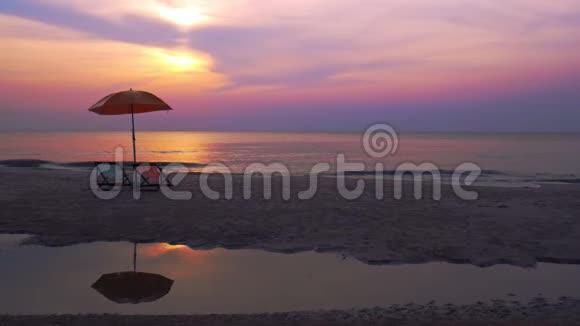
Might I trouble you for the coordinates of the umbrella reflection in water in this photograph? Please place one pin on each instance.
(132, 286)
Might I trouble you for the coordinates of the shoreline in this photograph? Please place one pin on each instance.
(496, 176)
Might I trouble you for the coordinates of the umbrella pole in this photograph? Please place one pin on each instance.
(134, 256)
(133, 131)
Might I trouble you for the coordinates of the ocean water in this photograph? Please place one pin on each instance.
(523, 155)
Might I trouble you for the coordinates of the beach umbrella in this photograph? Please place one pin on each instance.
(129, 102)
(133, 287)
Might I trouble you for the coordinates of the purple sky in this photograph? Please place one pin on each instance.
(420, 65)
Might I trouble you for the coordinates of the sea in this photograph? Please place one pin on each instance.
(502, 156)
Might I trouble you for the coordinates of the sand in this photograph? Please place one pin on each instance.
(538, 312)
(519, 226)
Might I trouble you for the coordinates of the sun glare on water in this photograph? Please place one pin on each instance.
(169, 247)
(158, 249)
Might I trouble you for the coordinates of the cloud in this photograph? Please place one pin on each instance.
(65, 59)
(132, 28)
(330, 41)
(395, 51)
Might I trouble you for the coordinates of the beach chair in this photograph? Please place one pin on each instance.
(108, 172)
(150, 175)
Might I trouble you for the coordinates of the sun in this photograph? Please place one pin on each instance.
(179, 61)
(185, 17)
(183, 62)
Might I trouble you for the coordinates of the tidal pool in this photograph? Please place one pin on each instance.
(45, 280)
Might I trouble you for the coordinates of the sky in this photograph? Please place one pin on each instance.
(333, 65)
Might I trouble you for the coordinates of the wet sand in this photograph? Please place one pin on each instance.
(519, 226)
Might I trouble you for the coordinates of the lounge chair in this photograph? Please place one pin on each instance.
(150, 175)
(108, 172)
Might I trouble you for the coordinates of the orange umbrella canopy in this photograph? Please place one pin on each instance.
(128, 102)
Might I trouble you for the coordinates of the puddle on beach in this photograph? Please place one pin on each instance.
(43, 280)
